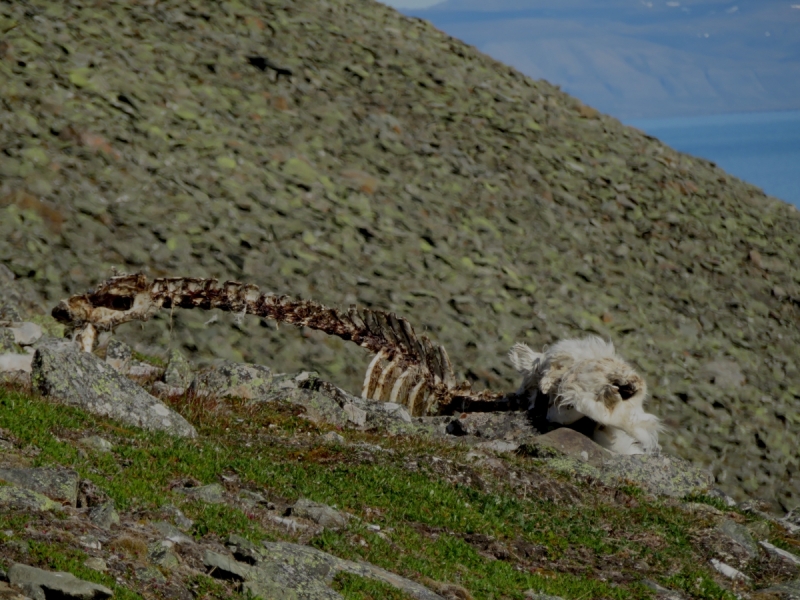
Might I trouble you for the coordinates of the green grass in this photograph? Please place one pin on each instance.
(427, 519)
(353, 587)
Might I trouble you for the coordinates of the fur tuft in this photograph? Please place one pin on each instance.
(586, 378)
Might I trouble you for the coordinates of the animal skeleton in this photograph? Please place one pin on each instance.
(579, 377)
(407, 368)
(586, 378)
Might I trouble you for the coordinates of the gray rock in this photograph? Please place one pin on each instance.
(331, 437)
(16, 362)
(25, 333)
(723, 373)
(172, 533)
(728, 571)
(96, 564)
(252, 498)
(321, 514)
(17, 498)
(792, 559)
(61, 371)
(178, 373)
(661, 475)
(8, 344)
(355, 414)
(57, 484)
(236, 380)
(279, 570)
(789, 590)
(104, 516)
(161, 555)
(119, 355)
(570, 443)
(571, 452)
(213, 493)
(740, 535)
(506, 425)
(95, 442)
(531, 595)
(180, 519)
(52, 584)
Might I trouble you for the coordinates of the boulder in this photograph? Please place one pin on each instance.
(285, 571)
(57, 484)
(62, 372)
(41, 584)
(321, 514)
(236, 380)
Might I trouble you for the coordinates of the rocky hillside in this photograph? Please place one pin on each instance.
(339, 151)
(124, 478)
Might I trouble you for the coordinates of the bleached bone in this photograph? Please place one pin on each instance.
(407, 368)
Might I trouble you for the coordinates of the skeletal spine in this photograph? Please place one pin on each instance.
(407, 368)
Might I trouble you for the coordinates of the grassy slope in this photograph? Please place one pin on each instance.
(401, 169)
(441, 518)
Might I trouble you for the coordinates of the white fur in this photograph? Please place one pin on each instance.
(586, 377)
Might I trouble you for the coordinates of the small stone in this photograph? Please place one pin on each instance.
(321, 514)
(332, 437)
(723, 373)
(104, 516)
(180, 519)
(503, 446)
(10, 363)
(26, 334)
(235, 380)
(119, 355)
(213, 493)
(251, 498)
(96, 564)
(95, 442)
(356, 415)
(532, 595)
(172, 533)
(781, 553)
(161, 555)
(728, 571)
(740, 535)
(8, 344)
(179, 372)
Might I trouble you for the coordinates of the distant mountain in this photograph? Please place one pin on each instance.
(643, 58)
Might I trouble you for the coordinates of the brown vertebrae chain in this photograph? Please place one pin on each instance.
(407, 368)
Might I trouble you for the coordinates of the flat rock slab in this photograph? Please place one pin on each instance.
(61, 371)
(321, 514)
(657, 474)
(571, 443)
(285, 571)
(235, 380)
(60, 485)
(39, 583)
(17, 498)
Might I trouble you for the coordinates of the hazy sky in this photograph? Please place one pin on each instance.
(640, 58)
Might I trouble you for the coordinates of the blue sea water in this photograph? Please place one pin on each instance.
(760, 148)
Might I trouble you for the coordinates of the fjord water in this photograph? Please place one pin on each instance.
(762, 148)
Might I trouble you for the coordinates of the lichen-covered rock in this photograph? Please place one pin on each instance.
(13, 497)
(104, 516)
(213, 493)
(119, 355)
(235, 380)
(280, 570)
(178, 373)
(321, 514)
(57, 484)
(62, 372)
(569, 451)
(39, 583)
